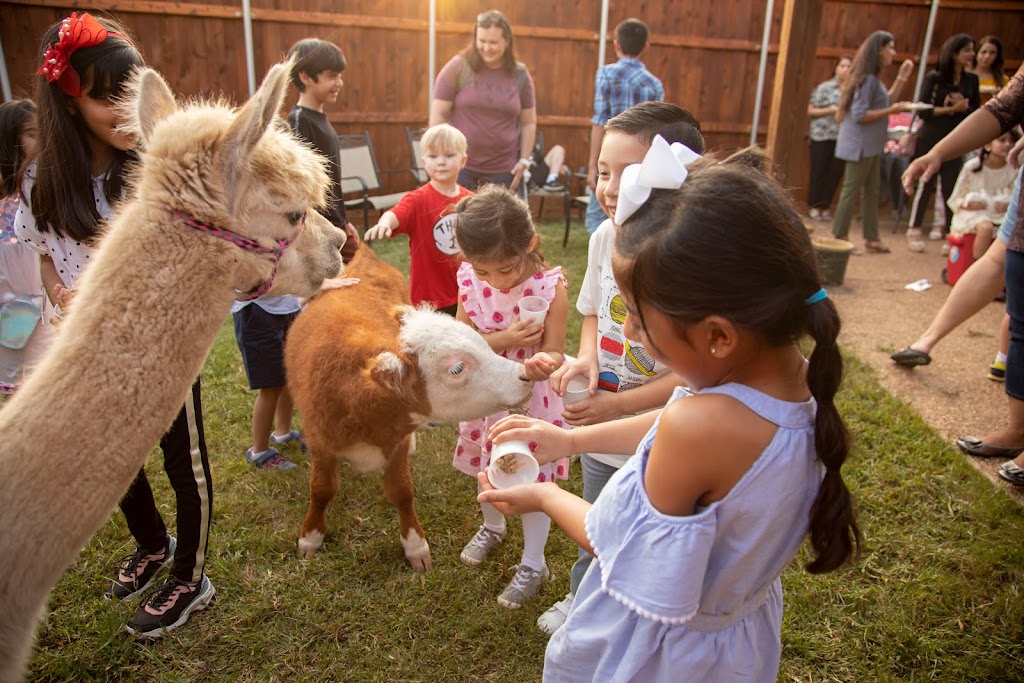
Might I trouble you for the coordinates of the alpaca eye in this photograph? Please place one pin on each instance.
(295, 216)
(457, 369)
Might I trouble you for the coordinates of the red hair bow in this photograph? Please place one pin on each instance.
(75, 32)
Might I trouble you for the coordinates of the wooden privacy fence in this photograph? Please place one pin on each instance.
(706, 53)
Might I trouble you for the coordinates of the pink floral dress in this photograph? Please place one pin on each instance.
(492, 310)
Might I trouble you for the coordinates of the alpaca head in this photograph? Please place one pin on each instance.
(238, 169)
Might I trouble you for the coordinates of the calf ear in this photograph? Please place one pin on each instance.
(394, 373)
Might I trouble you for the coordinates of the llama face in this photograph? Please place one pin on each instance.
(240, 170)
(464, 378)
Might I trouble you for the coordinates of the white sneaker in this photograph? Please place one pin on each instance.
(555, 616)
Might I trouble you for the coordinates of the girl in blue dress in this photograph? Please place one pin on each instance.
(691, 535)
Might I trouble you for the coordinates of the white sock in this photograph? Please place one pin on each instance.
(1000, 357)
(493, 520)
(536, 526)
(552, 178)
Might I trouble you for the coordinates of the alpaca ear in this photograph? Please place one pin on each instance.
(153, 103)
(254, 118)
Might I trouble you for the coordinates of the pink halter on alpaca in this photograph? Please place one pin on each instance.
(249, 245)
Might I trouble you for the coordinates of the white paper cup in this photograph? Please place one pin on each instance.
(518, 457)
(533, 309)
(576, 390)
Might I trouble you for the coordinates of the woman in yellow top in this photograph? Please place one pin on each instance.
(988, 65)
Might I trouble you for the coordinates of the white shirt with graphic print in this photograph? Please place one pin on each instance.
(622, 364)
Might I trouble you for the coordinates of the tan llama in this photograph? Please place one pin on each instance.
(145, 316)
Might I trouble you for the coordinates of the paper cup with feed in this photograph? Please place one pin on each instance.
(512, 463)
(533, 309)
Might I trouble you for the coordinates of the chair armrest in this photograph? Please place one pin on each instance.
(366, 189)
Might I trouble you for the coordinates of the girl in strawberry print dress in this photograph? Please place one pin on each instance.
(503, 264)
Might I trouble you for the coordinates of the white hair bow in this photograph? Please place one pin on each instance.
(663, 167)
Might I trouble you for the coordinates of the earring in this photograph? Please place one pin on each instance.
(714, 351)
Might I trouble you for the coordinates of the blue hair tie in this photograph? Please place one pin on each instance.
(816, 297)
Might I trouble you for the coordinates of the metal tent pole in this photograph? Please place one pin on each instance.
(925, 48)
(250, 64)
(762, 67)
(604, 33)
(432, 53)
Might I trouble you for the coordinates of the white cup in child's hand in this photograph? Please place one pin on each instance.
(576, 390)
(512, 463)
(533, 309)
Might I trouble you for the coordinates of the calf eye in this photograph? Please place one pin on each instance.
(457, 368)
(295, 216)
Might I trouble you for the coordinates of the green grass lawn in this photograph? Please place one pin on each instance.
(936, 596)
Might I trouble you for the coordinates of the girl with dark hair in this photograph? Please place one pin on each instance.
(691, 536)
(864, 108)
(501, 248)
(488, 95)
(23, 338)
(81, 169)
(988, 65)
(952, 93)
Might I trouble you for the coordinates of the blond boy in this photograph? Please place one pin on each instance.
(425, 215)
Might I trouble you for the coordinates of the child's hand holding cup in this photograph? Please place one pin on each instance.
(512, 463)
(533, 309)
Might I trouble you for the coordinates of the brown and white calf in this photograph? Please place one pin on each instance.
(365, 370)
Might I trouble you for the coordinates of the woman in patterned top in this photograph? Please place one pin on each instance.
(826, 170)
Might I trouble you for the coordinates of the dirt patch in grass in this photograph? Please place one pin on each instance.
(880, 316)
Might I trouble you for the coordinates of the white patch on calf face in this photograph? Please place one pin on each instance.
(364, 458)
(464, 378)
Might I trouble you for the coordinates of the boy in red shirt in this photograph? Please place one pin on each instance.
(425, 215)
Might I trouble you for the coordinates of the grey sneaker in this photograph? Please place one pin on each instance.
(482, 543)
(136, 572)
(523, 586)
(555, 616)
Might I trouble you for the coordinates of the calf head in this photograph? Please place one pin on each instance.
(238, 169)
(462, 377)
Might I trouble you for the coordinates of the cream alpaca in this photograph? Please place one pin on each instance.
(77, 432)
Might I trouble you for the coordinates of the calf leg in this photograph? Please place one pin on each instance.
(324, 480)
(398, 487)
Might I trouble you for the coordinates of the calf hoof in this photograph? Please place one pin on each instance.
(417, 551)
(310, 544)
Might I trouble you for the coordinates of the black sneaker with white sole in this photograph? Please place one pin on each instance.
(137, 571)
(169, 606)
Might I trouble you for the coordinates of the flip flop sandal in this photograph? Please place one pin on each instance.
(910, 358)
(877, 248)
(1009, 471)
(972, 445)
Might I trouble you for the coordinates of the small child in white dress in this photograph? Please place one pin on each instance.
(982, 193)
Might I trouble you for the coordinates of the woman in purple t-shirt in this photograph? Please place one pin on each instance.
(485, 93)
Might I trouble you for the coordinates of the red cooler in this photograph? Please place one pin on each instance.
(960, 258)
